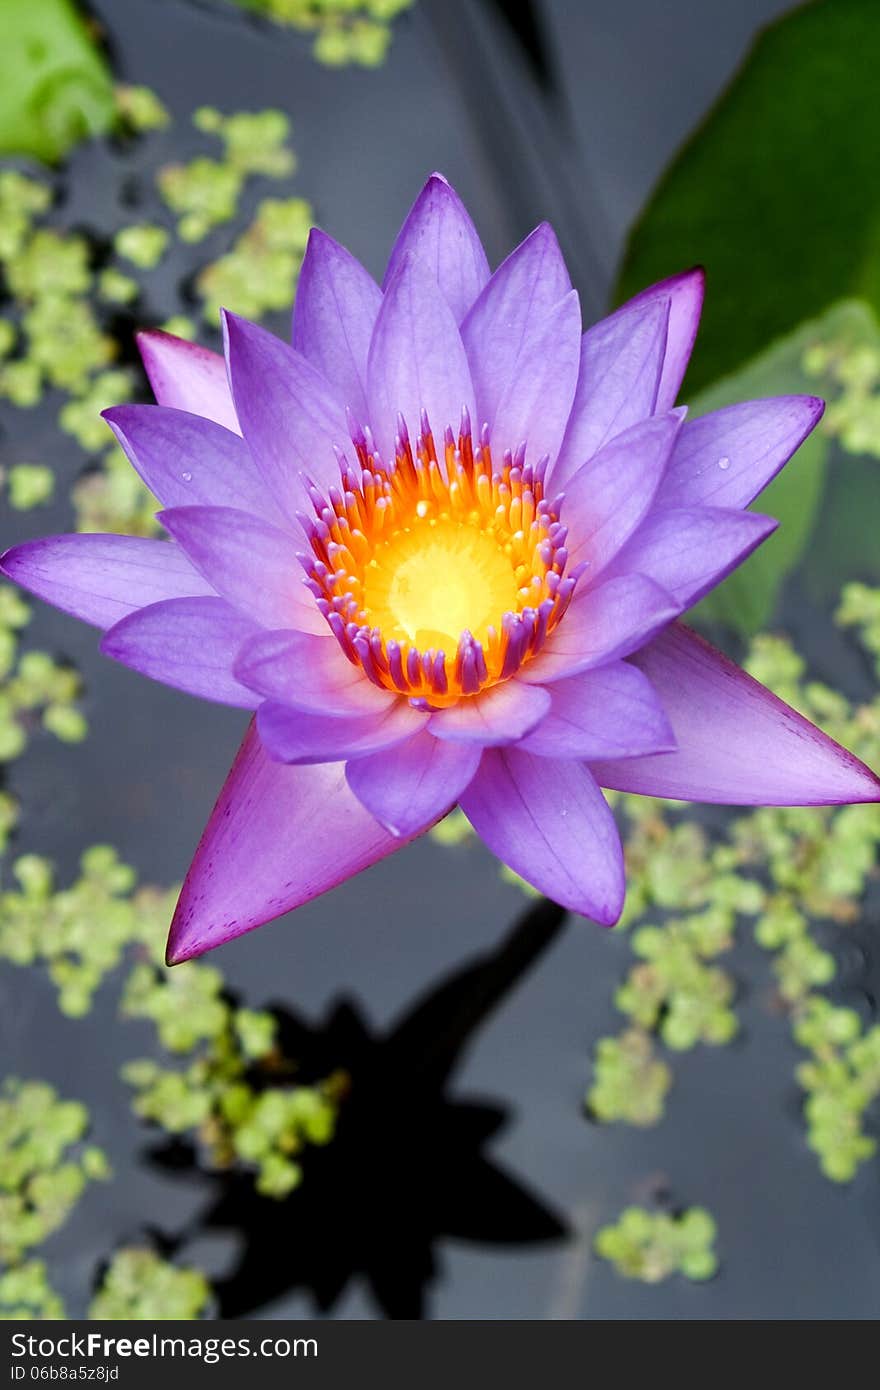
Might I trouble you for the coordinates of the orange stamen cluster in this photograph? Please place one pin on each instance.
(439, 579)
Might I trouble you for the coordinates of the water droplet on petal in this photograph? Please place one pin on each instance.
(187, 477)
(724, 463)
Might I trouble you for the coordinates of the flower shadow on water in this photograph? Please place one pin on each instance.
(407, 1165)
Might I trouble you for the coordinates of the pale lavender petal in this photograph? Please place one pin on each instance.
(277, 837)
(101, 578)
(188, 460)
(290, 415)
(521, 292)
(438, 230)
(608, 497)
(409, 787)
(189, 643)
(612, 712)
(725, 458)
(688, 550)
(501, 714)
(536, 403)
(606, 623)
(417, 361)
(685, 294)
(300, 736)
(334, 316)
(308, 672)
(737, 743)
(248, 562)
(549, 822)
(621, 359)
(185, 376)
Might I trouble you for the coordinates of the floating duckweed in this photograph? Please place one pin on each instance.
(849, 371)
(22, 199)
(49, 264)
(139, 108)
(674, 991)
(180, 326)
(55, 928)
(346, 31)
(30, 485)
(21, 383)
(44, 1168)
(66, 342)
(228, 1094)
(139, 1285)
(34, 689)
(650, 1246)
(143, 245)
(82, 417)
(111, 496)
(841, 1079)
(116, 288)
(25, 1294)
(8, 818)
(254, 141)
(260, 272)
(454, 829)
(630, 1082)
(205, 192)
(860, 608)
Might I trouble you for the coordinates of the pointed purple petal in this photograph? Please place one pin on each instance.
(290, 415)
(439, 232)
(102, 578)
(609, 713)
(188, 643)
(417, 361)
(409, 787)
(606, 623)
(607, 498)
(188, 460)
(334, 316)
(685, 294)
(621, 359)
(502, 714)
(307, 672)
(188, 377)
(688, 550)
(536, 403)
(277, 837)
(522, 291)
(549, 822)
(299, 736)
(737, 743)
(248, 562)
(724, 459)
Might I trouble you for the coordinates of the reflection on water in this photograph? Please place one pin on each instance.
(407, 1165)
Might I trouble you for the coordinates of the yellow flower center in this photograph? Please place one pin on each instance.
(438, 580)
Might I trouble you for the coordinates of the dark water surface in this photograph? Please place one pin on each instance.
(469, 1184)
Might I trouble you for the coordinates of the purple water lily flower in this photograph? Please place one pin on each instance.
(440, 545)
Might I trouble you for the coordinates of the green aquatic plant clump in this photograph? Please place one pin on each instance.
(651, 1246)
(260, 271)
(236, 1094)
(138, 1285)
(26, 1294)
(56, 928)
(44, 1164)
(205, 192)
(35, 690)
(346, 31)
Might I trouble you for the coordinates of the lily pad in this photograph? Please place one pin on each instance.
(746, 600)
(777, 193)
(55, 86)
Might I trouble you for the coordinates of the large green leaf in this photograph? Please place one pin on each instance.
(746, 600)
(778, 193)
(55, 88)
